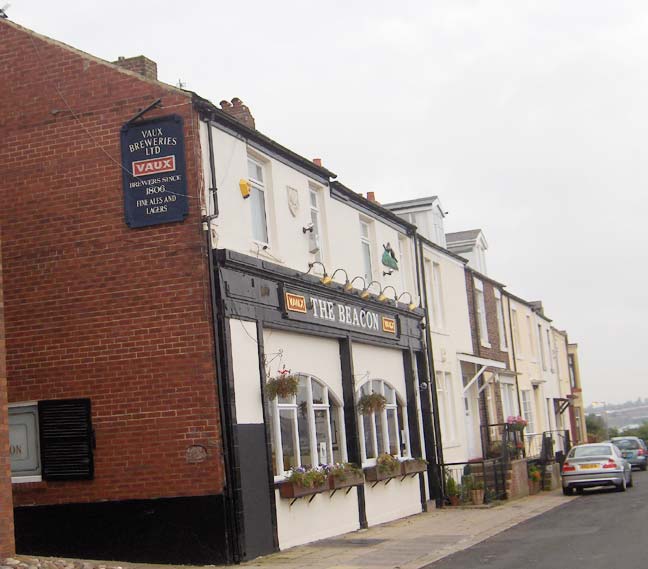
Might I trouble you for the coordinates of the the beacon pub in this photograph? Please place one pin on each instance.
(323, 398)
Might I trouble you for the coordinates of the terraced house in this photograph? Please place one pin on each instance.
(215, 349)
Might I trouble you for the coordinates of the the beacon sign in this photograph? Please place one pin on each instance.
(154, 176)
(340, 315)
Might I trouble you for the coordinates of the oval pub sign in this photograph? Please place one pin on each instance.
(154, 171)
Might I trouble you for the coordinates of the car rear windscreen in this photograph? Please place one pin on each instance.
(627, 444)
(584, 452)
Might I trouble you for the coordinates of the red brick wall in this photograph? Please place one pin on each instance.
(494, 352)
(6, 500)
(94, 309)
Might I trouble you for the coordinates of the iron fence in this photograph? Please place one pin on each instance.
(461, 478)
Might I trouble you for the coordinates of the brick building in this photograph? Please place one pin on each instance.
(111, 321)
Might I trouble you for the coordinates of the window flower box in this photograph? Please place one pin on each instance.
(344, 475)
(291, 490)
(386, 467)
(413, 466)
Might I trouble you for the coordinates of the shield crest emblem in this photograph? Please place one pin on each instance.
(293, 201)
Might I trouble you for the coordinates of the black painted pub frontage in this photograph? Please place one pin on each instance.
(336, 352)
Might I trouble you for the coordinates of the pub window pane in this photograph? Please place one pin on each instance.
(392, 424)
(287, 422)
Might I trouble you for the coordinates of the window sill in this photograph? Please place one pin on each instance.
(25, 479)
(485, 345)
(440, 332)
(257, 249)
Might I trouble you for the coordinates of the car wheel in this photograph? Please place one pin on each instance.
(579, 491)
(622, 487)
(568, 491)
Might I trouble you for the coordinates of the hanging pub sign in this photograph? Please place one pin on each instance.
(317, 310)
(154, 171)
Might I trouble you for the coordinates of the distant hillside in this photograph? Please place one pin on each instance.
(621, 415)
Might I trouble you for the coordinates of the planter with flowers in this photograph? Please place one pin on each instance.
(413, 466)
(387, 466)
(344, 475)
(535, 476)
(516, 423)
(284, 385)
(304, 482)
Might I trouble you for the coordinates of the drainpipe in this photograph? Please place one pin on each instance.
(231, 527)
(432, 386)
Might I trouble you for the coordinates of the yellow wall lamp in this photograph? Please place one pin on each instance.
(411, 305)
(325, 279)
(382, 297)
(365, 291)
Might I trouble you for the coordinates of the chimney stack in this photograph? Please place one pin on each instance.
(139, 64)
(317, 162)
(371, 196)
(239, 111)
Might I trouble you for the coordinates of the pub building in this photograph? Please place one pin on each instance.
(192, 313)
(308, 274)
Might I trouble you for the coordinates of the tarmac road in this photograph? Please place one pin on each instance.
(602, 529)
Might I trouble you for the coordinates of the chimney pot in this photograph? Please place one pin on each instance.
(238, 111)
(371, 196)
(317, 162)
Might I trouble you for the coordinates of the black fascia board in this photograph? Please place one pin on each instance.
(433, 245)
(484, 277)
(266, 269)
(372, 209)
(210, 111)
(528, 304)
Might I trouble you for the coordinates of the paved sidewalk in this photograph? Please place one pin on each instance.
(410, 543)
(413, 542)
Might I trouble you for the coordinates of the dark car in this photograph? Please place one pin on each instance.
(633, 450)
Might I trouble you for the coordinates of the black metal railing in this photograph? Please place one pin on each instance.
(461, 478)
(502, 441)
(548, 445)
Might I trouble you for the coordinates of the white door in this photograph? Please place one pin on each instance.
(472, 422)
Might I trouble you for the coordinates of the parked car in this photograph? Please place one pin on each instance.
(597, 464)
(633, 449)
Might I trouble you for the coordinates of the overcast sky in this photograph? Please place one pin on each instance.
(527, 118)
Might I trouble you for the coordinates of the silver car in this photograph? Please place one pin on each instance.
(597, 464)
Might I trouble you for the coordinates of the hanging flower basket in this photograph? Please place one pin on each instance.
(371, 403)
(284, 385)
(413, 466)
(516, 423)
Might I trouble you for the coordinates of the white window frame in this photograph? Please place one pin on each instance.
(543, 357)
(366, 246)
(501, 327)
(331, 404)
(316, 235)
(532, 347)
(259, 186)
(480, 309)
(403, 436)
(437, 295)
(515, 334)
(527, 410)
(509, 397)
(550, 354)
(17, 478)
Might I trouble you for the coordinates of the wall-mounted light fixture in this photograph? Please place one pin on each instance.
(365, 291)
(244, 186)
(308, 227)
(387, 273)
(325, 279)
(411, 305)
(349, 284)
(384, 297)
(346, 276)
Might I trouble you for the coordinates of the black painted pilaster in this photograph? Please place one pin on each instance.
(351, 419)
(411, 388)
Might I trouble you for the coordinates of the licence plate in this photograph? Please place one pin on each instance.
(626, 454)
(589, 466)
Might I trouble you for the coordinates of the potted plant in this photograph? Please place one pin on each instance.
(535, 476)
(413, 466)
(344, 475)
(284, 385)
(453, 490)
(371, 403)
(304, 482)
(477, 493)
(387, 466)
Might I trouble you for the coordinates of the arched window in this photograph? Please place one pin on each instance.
(307, 429)
(384, 431)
